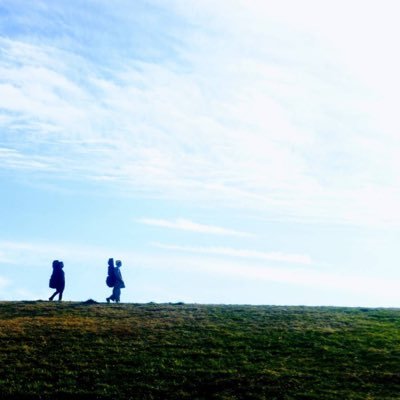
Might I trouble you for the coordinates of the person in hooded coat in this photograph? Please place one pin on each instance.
(57, 280)
(119, 283)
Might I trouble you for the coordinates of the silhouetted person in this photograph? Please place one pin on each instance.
(57, 280)
(119, 283)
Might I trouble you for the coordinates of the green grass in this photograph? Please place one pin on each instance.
(165, 351)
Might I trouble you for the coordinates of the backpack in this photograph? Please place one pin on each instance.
(110, 281)
(53, 277)
(53, 283)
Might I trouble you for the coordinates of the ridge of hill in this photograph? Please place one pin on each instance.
(88, 350)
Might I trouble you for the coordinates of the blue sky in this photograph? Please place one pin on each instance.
(229, 152)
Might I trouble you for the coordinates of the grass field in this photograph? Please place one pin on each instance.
(183, 351)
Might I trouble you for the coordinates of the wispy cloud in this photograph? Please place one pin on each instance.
(381, 288)
(41, 253)
(204, 113)
(187, 225)
(15, 160)
(241, 253)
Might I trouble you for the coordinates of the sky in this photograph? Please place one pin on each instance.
(240, 152)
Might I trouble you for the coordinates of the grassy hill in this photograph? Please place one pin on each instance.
(178, 351)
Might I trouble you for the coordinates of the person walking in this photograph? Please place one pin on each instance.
(118, 285)
(57, 280)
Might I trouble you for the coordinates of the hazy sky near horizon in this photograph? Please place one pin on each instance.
(227, 152)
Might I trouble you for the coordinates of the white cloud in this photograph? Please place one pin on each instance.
(241, 253)
(15, 160)
(275, 117)
(187, 225)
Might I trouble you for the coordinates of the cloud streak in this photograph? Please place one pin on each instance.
(384, 289)
(188, 225)
(241, 253)
(41, 254)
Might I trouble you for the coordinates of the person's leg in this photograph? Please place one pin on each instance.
(117, 294)
(60, 295)
(112, 297)
(53, 295)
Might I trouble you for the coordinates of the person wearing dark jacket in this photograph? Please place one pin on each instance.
(119, 283)
(57, 280)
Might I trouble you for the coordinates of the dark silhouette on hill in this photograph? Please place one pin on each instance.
(57, 280)
(119, 284)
